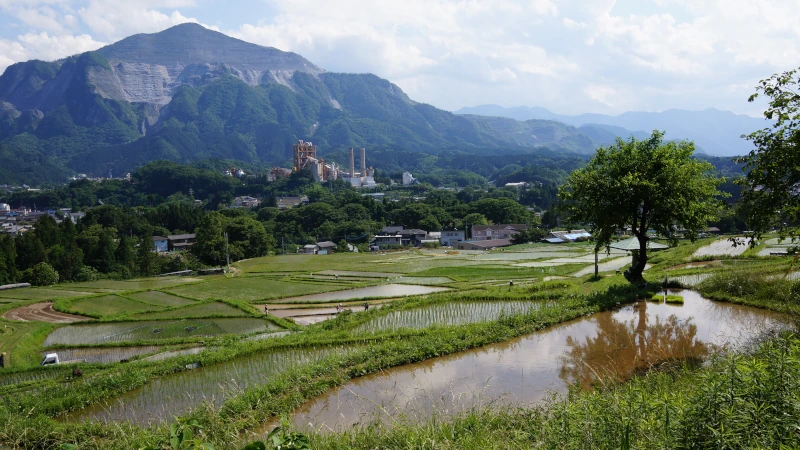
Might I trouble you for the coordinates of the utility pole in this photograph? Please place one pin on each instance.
(227, 255)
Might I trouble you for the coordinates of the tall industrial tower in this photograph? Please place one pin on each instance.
(303, 152)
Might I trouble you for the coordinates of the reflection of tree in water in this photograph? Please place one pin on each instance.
(622, 348)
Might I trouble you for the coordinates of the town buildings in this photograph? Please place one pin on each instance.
(492, 232)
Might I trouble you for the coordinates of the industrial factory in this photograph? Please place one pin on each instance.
(305, 157)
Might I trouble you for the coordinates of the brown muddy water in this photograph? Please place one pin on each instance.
(613, 344)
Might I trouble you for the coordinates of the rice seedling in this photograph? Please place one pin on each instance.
(103, 355)
(250, 289)
(105, 306)
(163, 398)
(446, 314)
(382, 291)
(152, 330)
(208, 309)
(159, 298)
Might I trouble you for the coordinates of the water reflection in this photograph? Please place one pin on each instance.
(530, 368)
(624, 347)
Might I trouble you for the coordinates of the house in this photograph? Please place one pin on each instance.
(449, 238)
(391, 230)
(245, 201)
(493, 232)
(326, 248)
(160, 244)
(388, 240)
(483, 245)
(558, 237)
(76, 216)
(413, 237)
(290, 202)
(180, 241)
(310, 249)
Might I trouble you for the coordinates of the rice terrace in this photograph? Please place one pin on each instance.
(345, 346)
(563, 225)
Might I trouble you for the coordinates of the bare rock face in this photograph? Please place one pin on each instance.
(133, 82)
(147, 68)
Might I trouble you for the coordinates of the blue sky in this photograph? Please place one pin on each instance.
(570, 56)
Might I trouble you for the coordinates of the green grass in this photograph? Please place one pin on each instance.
(160, 299)
(104, 306)
(209, 309)
(659, 296)
(21, 341)
(40, 294)
(251, 289)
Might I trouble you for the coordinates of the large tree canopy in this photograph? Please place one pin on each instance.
(771, 188)
(644, 185)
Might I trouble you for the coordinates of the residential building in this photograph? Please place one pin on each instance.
(180, 241)
(384, 241)
(449, 238)
(391, 230)
(492, 232)
(483, 245)
(76, 216)
(290, 202)
(413, 237)
(310, 249)
(326, 248)
(245, 201)
(160, 244)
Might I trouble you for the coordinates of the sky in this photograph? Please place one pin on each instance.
(570, 56)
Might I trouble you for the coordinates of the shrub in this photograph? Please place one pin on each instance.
(42, 274)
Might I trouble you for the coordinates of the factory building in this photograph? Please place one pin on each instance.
(364, 178)
(305, 157)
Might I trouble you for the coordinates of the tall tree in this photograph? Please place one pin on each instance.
(644, 185)
(771, 187)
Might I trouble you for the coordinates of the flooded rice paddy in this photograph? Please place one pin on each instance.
(98, 333)
(614, 344)
(164, 398)
(452, 313)
(102, 355)
(384, 290)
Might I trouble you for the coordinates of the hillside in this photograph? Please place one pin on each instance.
(716, 132)
(188, 93)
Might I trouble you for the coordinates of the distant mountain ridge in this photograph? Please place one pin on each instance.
(190, 93)
(716, 132)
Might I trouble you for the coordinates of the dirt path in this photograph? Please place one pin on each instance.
(41, 312)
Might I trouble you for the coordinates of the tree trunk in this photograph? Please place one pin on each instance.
(638, 262)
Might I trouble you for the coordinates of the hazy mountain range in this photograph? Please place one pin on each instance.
(189, 93)
(715, 132)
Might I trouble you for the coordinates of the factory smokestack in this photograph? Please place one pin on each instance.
(352, 162)
(363, 162)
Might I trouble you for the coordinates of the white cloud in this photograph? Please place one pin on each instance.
(568, 55)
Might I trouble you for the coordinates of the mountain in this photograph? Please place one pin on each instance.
(716, 132)
(189, 93)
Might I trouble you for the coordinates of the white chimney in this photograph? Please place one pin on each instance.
(363, 162)
(352, 162)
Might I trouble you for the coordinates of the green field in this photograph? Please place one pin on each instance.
(160, 299)
(107, 306)
(185, 316)
(210, 309)
(40, 294)
(251, 289)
